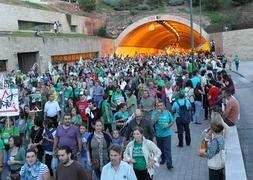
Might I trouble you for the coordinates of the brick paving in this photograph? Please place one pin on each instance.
(187, 165)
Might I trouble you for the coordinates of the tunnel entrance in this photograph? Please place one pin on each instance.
(160, 34)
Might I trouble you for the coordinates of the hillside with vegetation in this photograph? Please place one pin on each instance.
(216, 15)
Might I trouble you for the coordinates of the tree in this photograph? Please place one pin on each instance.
(240, 2)
(87, 5)
(212, 4)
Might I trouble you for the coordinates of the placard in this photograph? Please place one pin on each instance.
(9, 105)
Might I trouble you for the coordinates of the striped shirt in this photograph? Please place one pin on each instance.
(43, 170)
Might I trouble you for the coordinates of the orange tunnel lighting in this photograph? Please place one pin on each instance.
(160, 37)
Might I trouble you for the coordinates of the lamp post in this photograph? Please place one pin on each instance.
(200, 22)
(192, 33)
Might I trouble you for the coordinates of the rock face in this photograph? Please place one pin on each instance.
(176, 2)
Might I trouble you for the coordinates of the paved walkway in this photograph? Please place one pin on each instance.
(246, 69)
(187, 165)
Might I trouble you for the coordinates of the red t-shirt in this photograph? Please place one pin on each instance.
(81, 106)
(214, 93)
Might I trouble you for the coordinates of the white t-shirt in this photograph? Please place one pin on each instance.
(52, 108)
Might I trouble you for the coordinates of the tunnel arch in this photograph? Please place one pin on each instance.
(159, 34)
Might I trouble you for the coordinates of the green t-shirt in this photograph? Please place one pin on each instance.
(105, 119)
(138, 156)
(78, 119)
(29, 124)
(190, 68)
(58, 87)
(77, 92)
(6, 134)
(1, 144)
(161, 82)
(163, 119)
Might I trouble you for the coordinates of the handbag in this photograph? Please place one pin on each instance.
(95, 164)
(203, 147)
(218, 160)
(15, 176)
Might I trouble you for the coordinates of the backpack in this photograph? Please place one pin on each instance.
(184, 113)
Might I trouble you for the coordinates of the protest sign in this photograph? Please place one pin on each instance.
(35, 102)
(9, 105)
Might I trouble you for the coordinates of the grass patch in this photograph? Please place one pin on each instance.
(45, 34)
(101, 6)
(217, 18)
(28, 4)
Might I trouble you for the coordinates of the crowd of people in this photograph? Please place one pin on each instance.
(112, 117)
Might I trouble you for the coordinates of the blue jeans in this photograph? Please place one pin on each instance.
(164, 144)
(83, 161)
(198, 111)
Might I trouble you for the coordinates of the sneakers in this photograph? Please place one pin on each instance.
(170, 167)
(162, 162)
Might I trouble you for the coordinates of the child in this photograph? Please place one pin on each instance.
(83, 159)
(48, 142)
(116, 138)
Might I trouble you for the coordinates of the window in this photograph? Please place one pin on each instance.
(73, 28)
(34, 26)
(3, 65)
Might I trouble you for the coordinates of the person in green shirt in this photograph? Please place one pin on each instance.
(67, 92)
(17, 154)
(8, 131)
(75, 118)
(237, 62)
(1, 156)
(143, 154)
(76, 93)
(107, 113)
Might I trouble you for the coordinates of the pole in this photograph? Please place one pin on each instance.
(192, 33)
(200, 21)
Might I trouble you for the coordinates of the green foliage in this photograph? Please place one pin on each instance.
(240, 2)
(87, 5)
(102, 32)
(216, 18)
(143, 7)
(212, 4)
(176, 2)
(195, 2)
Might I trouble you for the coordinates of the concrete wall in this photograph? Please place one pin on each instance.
(10, 15)
(239, 42)
(235, 42)
(47, 47)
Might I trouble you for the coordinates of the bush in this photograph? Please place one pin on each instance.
(143, 7)
(211, 5)
(87, 5)
(240, 2)
(195, 2)
(102, 32)
(176, 2)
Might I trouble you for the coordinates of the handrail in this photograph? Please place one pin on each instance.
(234, 164)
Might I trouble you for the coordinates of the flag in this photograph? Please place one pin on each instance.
(80, 61)
(50, 67)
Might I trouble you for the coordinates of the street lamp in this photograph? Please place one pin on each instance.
(200, 21)
(192, 33)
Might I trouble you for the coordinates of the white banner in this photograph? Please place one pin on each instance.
(9, 105)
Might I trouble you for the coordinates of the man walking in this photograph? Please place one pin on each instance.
(69, 169)
(69, 135)
(117, 169)
(146, 125)
(51, 110)
(163, 120)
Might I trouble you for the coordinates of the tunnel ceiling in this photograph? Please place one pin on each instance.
(159, 35)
